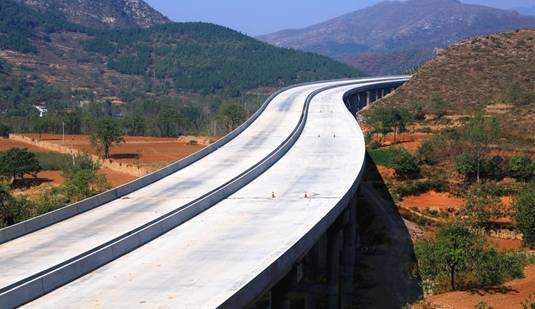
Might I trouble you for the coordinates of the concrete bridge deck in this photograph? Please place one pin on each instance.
(230, 253)
(35, 252)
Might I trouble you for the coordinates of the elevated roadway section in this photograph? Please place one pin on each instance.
(248, 243)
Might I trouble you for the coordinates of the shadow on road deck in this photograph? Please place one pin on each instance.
(384, 276)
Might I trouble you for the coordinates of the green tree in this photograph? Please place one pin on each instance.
(454, 249)
(521, 167)
(106, 134)
(405, 164)
(482, 205)
(7, 217)
(389, 119)
(4, 130)
(135, 125)
(524, 205)
(232, 115)
(479, 133)
(16, 162)
(82, 179)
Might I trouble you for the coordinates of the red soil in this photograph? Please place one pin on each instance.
(433, 200)
(510, 295)
(153, 152)
(6, 144)
(505, 244)
(410, 142)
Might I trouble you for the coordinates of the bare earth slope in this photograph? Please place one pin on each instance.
(494, 74)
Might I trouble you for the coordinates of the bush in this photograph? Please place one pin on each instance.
(522, 168)
(15, 163)
(405, 165)
(433, 150)
(494, 268)
(418, 187)
(457, 252)
(524, 216)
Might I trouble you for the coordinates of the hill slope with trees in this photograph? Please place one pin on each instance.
(179, 72)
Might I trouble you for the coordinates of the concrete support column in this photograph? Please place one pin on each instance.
(348, 256)
(368, 98)
(333, 261)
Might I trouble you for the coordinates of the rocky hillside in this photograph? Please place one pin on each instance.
(392, 36)
(102, 13)
(494, 74)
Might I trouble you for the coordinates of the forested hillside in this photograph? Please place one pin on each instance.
(183, 73)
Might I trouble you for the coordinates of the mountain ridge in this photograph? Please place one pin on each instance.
(102, 13)
(398, 28)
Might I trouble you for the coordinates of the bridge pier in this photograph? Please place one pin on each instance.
(333, 261)
(348, 256)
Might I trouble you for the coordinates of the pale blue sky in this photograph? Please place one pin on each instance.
(256, 17)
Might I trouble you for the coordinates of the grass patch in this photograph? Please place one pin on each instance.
(53, 161)
(384, 156)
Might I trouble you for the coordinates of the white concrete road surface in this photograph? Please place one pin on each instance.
(206, 260)
(35, 252)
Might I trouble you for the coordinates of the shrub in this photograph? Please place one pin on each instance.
(524, 216)
(15, 163)
(406, 165)
(433, 150)
(458, 252)
(521, 167)
(418, 187)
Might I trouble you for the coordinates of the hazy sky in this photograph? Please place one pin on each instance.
(255, 17)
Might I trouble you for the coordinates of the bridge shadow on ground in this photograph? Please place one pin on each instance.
(384, 274)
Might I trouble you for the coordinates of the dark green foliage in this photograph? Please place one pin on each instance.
(454, 249)
(389, 119)
(482, 205)
(416, 187)
(405, 165)
(478, 134)
(434, 150)
(83, 181)
(467, 165)
(525, 214)
(107, 133)
(5, 130)
(457, 252)
(18, 24)
(522, 167)
(494, 268)
(15, 163)
(207, 58)
(232, 116)
(384, 156)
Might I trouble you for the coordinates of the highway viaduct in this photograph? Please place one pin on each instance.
(268, 212)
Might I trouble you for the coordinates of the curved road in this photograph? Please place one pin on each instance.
(205, 261)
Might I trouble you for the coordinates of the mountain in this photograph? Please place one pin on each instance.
(192, 68)
(408, 32)
(102, 13)
(493, 74)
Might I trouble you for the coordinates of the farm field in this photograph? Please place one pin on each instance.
(148, 152)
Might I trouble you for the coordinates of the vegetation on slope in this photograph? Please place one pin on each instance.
(493, 74)
(167, 80)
